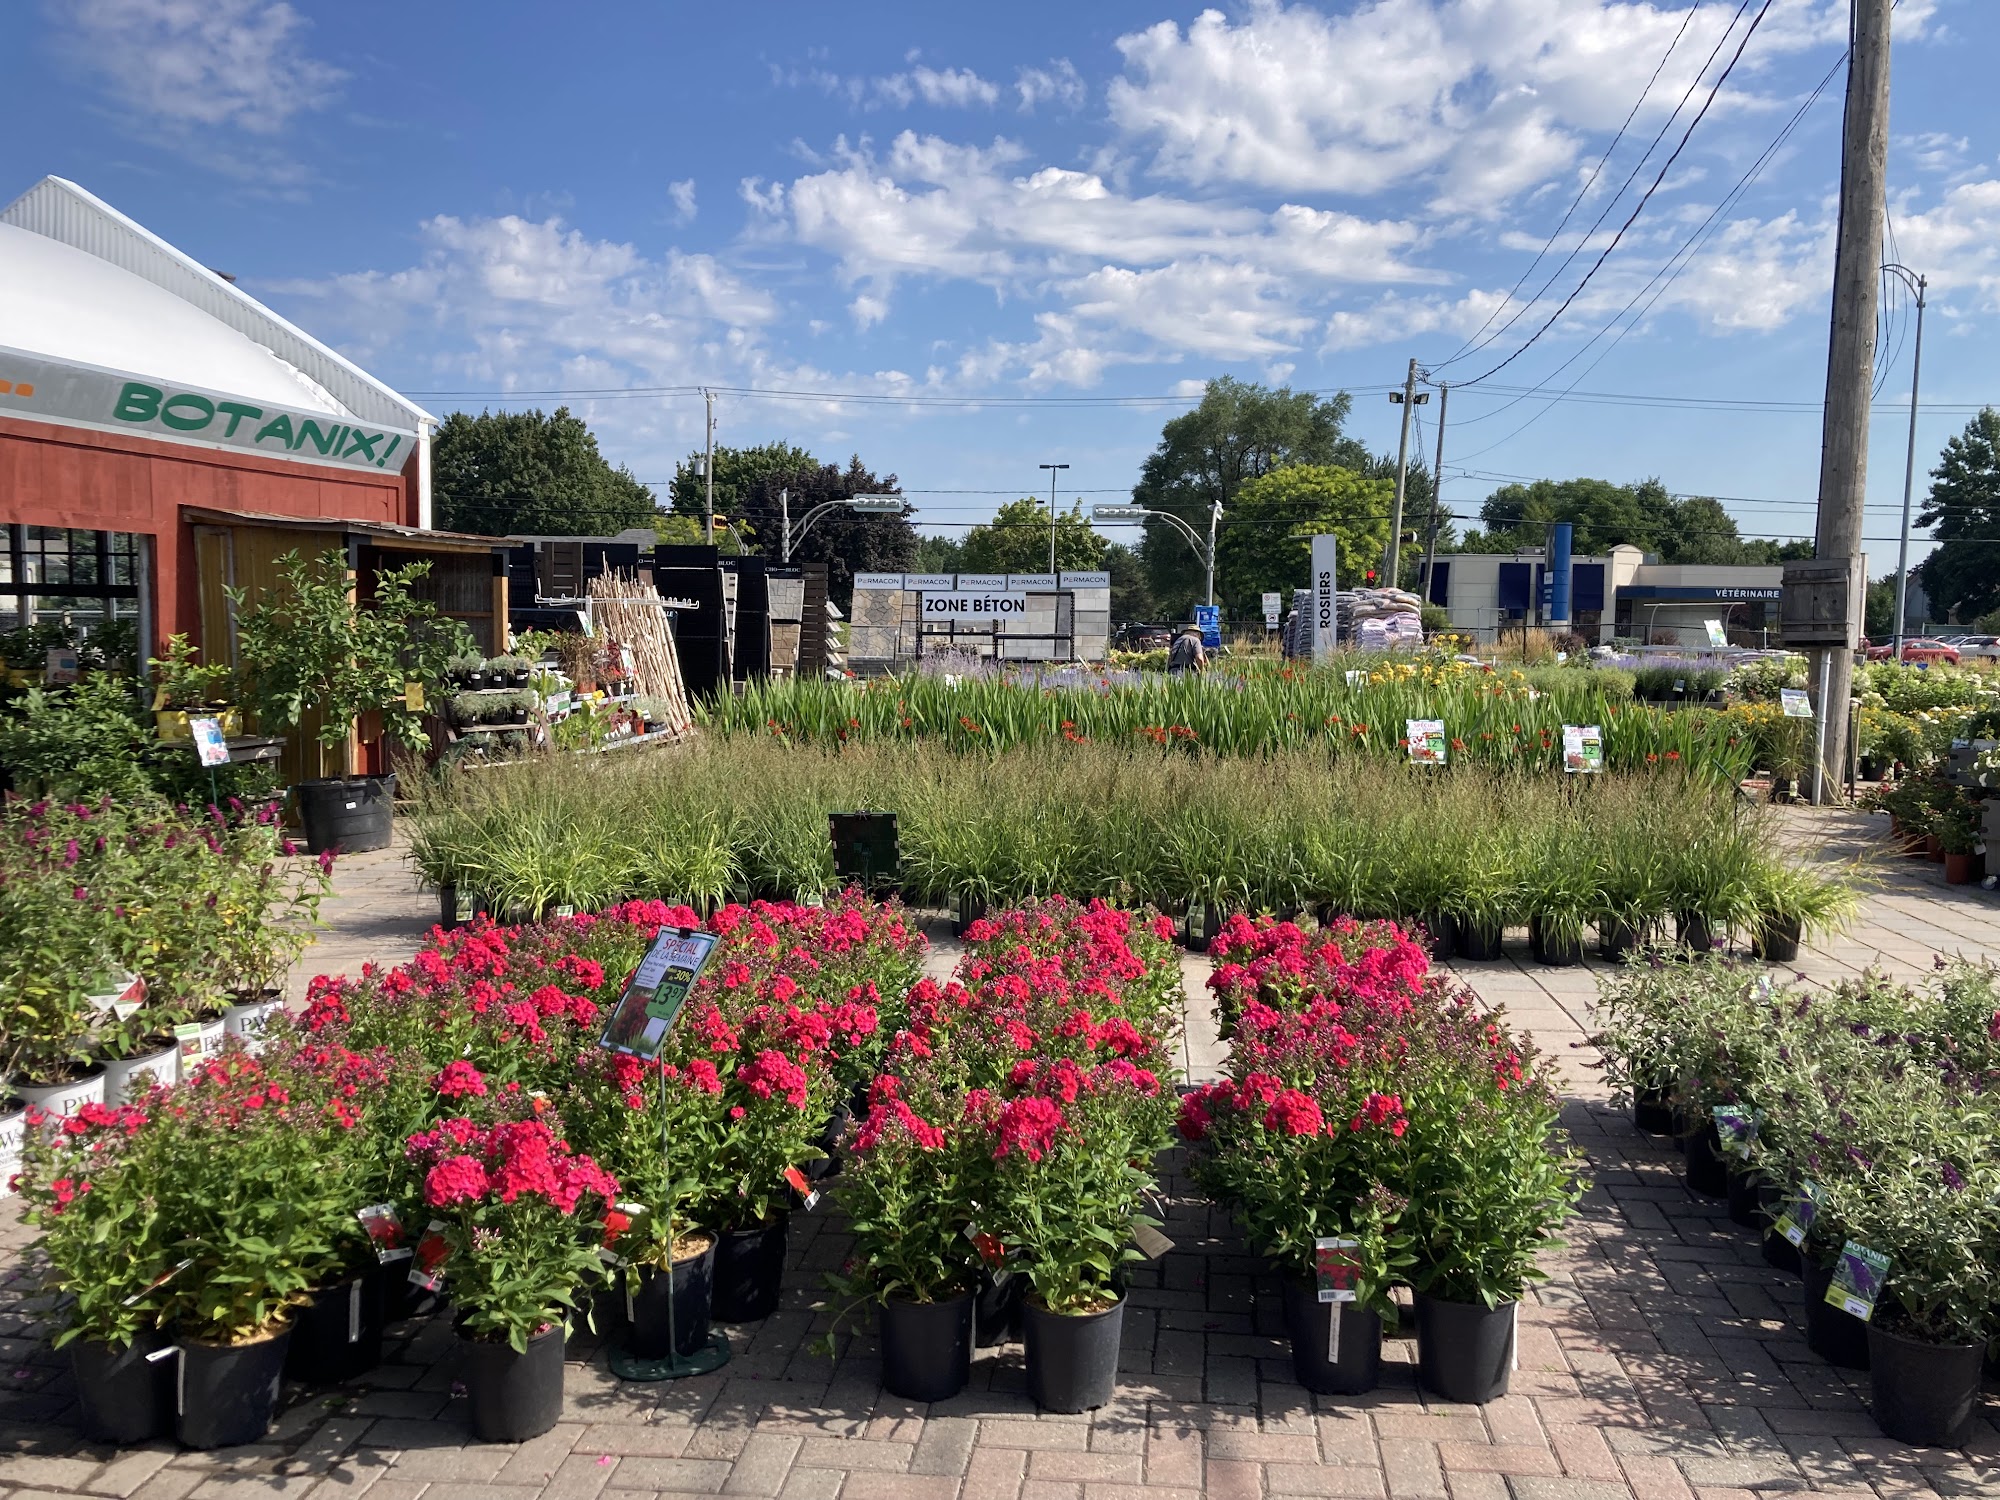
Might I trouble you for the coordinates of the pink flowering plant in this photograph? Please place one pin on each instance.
(86, 1187)
(658, 1129)
(523, 1215)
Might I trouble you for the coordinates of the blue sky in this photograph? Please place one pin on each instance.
(1045, 207)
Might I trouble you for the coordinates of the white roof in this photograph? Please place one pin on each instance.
(67, 305)
(81, 282)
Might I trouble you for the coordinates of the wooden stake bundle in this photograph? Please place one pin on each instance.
(630, 612)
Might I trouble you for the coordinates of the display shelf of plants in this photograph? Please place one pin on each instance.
(1470, 852)
(998, 1137)
(1851, 1127)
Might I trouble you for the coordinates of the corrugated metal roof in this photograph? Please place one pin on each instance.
(63, 211)
(451, 540)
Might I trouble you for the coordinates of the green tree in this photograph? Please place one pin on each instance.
(939, 554)
(1692, 530)
(531, 473)
(754, 487)
(1239, 431)
(1132, 600)
(1879, 618)
(1017, 541)
(1963, 510)
(1267, 541)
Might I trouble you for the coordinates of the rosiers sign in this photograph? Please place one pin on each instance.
(40, 388)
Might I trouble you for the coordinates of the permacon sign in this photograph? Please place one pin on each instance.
(84, 396)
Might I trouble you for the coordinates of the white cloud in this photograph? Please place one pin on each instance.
(958, 88)
(1478, 99)
(867, 311)
(1058, 83)
(682, 194)
(201, 64)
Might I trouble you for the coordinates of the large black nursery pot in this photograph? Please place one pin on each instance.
(124, 1398)
(513, 1396)
(1693, 932)
(996, 1309)
(1441, 927)
(1465, 1350)
(970, 909)
(1743, 1189)
(1779, 1253)
(351, 814)
(229, 1391)
(338, 1335)
(1653, 1110)
(927, 1347)
(692, 1299)
(1478, 941)
(1775, 940)
(865, 851)
(1555, 951)
(1326, 1366)
(1707, 1172)
(1072, 1359)
(1615, 939)
(1204, 921)
(1921, 1393)
(749, 1272)
(1833, 1333)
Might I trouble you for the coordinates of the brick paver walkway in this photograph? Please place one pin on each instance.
(1663, 1360)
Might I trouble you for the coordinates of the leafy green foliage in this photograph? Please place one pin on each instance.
(1267, 544)
(1644, 515)
(1963, 512)
(530, 473)
(1016, 540)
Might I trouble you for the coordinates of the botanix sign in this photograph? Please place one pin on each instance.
(47, 390)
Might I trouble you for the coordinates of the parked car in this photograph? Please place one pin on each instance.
(1987, 646)
(1917, 649)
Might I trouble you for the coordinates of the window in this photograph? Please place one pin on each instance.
(47, 572)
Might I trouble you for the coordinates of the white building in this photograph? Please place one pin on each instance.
(1619, 596)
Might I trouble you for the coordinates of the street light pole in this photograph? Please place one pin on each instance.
(1140, 513)
(1910, 460)
(1214, 515)
(785, 522)
(708, 473)
(1053, 469)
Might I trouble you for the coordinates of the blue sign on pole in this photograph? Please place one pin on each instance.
(1208, 620)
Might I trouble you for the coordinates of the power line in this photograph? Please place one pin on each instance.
(1646, 198)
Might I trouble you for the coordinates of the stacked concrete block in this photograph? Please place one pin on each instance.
(1090, 626)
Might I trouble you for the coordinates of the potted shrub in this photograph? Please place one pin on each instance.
(1788, 902)
(1959, 830)
(909, 1187)
(1491, 1178)
(83, 1189)
(507, 671)
(1558, 889)
(186, 688)
(310, 649)
(57, 989)
(1070, 1176)
(522, 1219)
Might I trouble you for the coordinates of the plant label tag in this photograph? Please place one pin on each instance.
(796, 1181)
(1354, 675)
(354, 1311)
(123, 999)
(988, 1245)
(1799, 1214)
(1336, 1265)
(209, 745)
(1152, 1244)
(427, 1264)
(1735, 1129)
(385, 1231)
(1797, 704)
(1857, 1280)
(193, 1045)
(1583, 748)
(656, 991)
(1680, 685)
(413, 697)
(1427, 742)
(612, 1258)
(154, 1285)
(1333, 1322)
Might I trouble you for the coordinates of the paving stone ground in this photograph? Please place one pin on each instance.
(1663, 1360)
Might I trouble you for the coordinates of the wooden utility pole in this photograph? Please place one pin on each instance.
(1409, 398)
(1850, 365)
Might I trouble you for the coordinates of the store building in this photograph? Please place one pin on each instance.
(163, 436)
(1619, 596)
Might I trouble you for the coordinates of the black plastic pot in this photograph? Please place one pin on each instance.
(1779, 1253)
(1556, 952)
(1442, 927)
(338, 1335)
(693, 1293)
(829, 1144)
(1465, 1350)
(1477, 941)
(926, 1347)
(1926, 1394)
(124, 1398)
(1615, 939)
(865, 850)
(1652, 1111)
(749, 1272)
(1742, 1191)
(1707, 1172)
(970, 910)
(513, 1396)
(1835, 1335)
(1356, 1367)
(1072, 1361)
(1775, 941)
(1692, 931)
(996, 1310)
(229, 1391)
(349, 814)
(1204, 921)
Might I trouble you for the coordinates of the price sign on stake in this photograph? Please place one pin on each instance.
(1583, 748)
(656, 991)
(208, 741)
(1797, 704)
(1427, 743)
(1857, 1280)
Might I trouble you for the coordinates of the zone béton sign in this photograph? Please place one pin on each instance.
(85, 396)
